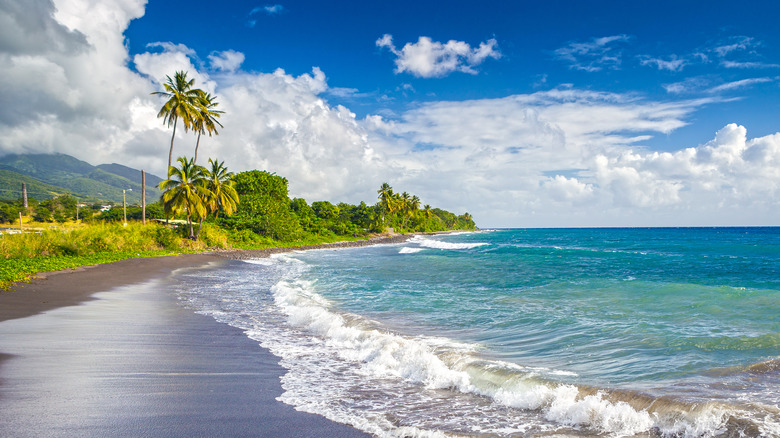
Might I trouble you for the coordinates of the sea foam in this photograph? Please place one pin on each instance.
(443, 364)
(437, 244)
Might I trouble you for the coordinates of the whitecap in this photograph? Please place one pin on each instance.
(437, 244)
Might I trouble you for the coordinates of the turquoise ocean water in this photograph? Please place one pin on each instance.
(537, 332)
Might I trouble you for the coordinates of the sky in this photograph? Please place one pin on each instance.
(522, 113)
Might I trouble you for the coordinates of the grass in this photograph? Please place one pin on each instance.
(23, 269)
(70, 245)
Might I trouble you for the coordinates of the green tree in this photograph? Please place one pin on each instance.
(325, 210)
(385, 200)
(264, 207)
(181, 104)
(221, 194)
(185, 191)
(221, 187)
(205, 118)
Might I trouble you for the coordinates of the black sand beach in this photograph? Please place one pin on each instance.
(132, 361)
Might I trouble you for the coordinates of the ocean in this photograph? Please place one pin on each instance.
(646, 332)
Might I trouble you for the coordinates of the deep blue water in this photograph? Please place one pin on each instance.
(615, 332)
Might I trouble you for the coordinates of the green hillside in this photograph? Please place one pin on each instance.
(11, 188)
(69, 174)
(130, 173)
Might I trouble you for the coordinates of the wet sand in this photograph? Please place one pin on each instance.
(108, 351)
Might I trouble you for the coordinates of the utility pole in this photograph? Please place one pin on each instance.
(24, 197)
(124, 204)
(143, 197)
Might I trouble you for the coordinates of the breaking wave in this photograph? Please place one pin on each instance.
(440, 364)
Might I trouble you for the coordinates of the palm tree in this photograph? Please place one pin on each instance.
(222, 194)
(181, 103)
(205, 118)
(185, 191)
(410, 206)
(385, 199)
(414, 204)
(220, 184)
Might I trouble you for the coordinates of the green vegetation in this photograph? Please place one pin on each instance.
(264, 217)
(11, 183)
(248, 210)
(266, 211)
(195, 191)
(99, 242)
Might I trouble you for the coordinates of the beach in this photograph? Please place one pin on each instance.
(107, 350)
(498, 333)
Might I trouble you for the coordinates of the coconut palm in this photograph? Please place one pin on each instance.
(186, 191)
(410, 206)
(181, 103)
(223, 193)
(205, 118)
(385, 199)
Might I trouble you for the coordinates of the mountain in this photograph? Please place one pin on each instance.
(11, 187)
(130, 173)
(71, 175)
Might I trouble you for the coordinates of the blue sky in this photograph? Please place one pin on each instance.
(542, 45)
(548, 113)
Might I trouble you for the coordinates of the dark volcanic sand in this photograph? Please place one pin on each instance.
(134, 362)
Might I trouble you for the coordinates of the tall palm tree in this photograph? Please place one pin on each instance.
(181, 103)
(205, 118)
(185, 191)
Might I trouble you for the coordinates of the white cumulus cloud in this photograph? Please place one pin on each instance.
(428, 59)
(228, 60)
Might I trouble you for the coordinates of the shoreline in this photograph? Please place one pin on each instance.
(54, 289)
(72, 296)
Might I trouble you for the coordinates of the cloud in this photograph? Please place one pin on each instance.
(746, 65)
(65, 72)
(268, 9)
(227, 61)
(509, 161)
(29, 28)
(568, 190)
(736, 44)
(740, 84)
(428, 59)
(595, 55)
(741, 52)
(689, 85)
(673, 64)
(510, 156)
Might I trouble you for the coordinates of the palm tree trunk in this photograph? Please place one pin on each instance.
(170, 156)
(192, 232)
(170, 153)
(200, 224)
(195, 158)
